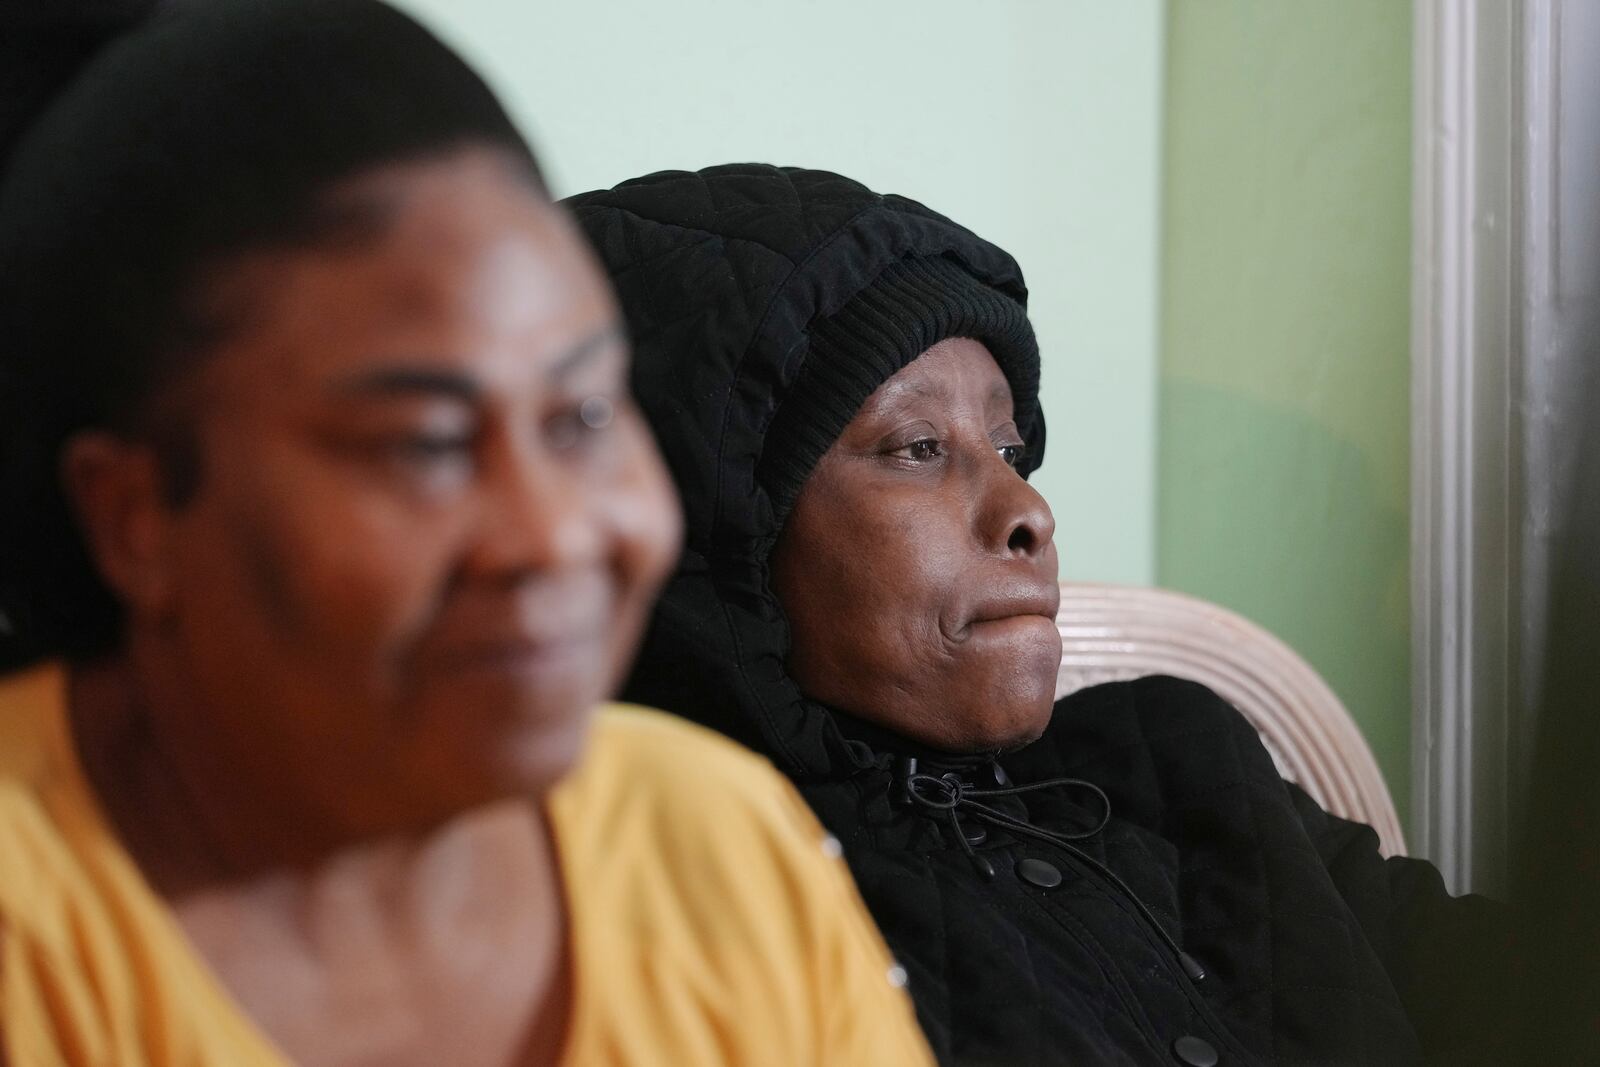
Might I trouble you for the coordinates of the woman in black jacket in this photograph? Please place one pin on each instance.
(846, 388)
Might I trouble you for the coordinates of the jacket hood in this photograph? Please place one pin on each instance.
(722, 274)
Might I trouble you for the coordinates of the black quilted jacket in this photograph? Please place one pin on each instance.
(1038, 940)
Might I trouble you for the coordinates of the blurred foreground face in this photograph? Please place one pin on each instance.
(429, 522)
(918, 569)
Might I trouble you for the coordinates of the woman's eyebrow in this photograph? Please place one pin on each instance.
(400, 381)
(611, 336)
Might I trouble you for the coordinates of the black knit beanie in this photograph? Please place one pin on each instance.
(910, 307)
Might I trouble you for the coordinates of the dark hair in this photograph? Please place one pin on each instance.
(141, 145)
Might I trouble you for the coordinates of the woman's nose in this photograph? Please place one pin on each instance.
(1017, 521)
(532, 519)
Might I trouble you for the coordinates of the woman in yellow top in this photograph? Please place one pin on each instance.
(326, 523)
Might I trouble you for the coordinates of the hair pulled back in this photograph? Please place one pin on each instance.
(143, 144)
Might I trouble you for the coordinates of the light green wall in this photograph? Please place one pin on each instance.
(1034, 122)
(1210, 199)
(1285, 377)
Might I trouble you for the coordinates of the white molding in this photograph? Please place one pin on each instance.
(1543, 379)
(1499, 348)
(1464, 472)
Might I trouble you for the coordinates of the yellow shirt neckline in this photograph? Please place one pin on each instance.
(74, 798)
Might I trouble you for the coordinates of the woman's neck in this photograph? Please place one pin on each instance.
(189, 819)
(468, 913)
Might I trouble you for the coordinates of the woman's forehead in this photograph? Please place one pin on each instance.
(470, 267)
(400, 376)
(956, 370)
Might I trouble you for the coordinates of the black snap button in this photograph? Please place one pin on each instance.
(976, 834)
(1194, 1052)
(1039, 873)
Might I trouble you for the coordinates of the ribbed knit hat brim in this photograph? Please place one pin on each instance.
(910, 307)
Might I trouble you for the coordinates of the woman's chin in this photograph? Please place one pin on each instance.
(1018, 724)
(1027, 729)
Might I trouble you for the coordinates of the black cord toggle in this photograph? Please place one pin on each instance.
(949, 795)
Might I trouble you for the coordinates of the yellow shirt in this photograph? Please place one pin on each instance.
(710, 923)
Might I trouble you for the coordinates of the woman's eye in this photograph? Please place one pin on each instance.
(431, 448)
(1013, 454)
(570, 427)
(922, 451)
(434, 461)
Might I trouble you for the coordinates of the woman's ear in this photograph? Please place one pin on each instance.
(115, 488)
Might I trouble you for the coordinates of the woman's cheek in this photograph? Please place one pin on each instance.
(648, 521)
(381, 570)
(636, 506)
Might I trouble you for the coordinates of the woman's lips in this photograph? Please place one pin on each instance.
(1042, 601)
(530, 658)
(1005, 614)
(1009, 628)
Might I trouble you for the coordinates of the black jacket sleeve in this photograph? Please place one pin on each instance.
(1446, 955)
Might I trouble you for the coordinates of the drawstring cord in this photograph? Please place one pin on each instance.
(947, 793)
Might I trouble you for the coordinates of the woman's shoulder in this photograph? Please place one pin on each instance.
(691, 862)
(43, 820)
(1149, 735)
(643, 763)
(691, 820)
(32, 706)
(1161, 693)
(1155, 709)
(661, 751)
(637, 732)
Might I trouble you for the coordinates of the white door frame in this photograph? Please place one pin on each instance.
(1494, 354)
